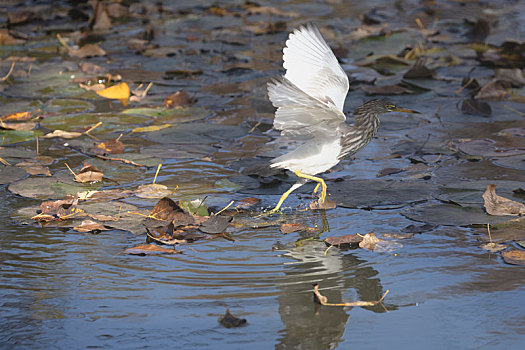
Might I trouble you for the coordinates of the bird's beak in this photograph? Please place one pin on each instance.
(405, 110)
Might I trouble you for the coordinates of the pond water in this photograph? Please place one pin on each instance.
(420, 181)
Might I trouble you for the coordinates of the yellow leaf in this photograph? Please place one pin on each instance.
(116, 92)
(151, 128)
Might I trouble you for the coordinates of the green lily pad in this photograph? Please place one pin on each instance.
(48, 187)
(8, 137)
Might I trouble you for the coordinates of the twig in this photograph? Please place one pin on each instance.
(92, 128)
(119, 210)
(72, 172)
(126, 161)
(226, 207)
(490, 237)
(4, 162)
(63, 42)
(118, 138)
(513, 110)
(324, 300)
(156, 173)
(470, 81)
(37, 152)
(8, 73)
(327, 249)
(254, 127)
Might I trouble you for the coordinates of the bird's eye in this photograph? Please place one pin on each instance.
(390, 107)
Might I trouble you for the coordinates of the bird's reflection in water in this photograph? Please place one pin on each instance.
(308, 325)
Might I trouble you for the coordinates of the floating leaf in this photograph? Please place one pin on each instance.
(230, 321)
(473, 107)
(150, 249)
(514, 257)
(152, 191)
(369, 241)
(151, 128)
(497, 205)
(108, 147)
(195, 207)
(63, 134)
(117, 92)
(89, 173)
(88, 50)
(215, 224)
(344, 241)
(89, 226)
(327, 204)
(321, 299)
(178, 99)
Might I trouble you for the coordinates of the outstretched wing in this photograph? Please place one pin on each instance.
(300, 115)
(311, 65)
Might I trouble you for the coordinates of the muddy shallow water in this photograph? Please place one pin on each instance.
(420, 180)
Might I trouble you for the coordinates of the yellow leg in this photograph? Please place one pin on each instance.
(316, 179)
(283, 198)
(317, 187)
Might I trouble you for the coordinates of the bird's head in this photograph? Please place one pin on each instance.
(380, 106)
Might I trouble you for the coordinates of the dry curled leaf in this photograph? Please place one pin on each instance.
(16, 117)
(88, 50)
(497, 205)
(369, 241)
(108, 147)
(215, 224)
(89, 226)
(230, 321)
(178, 99)
(344, 241)
(88, 173)
(63, 134)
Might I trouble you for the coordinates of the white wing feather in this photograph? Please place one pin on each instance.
(312, 66)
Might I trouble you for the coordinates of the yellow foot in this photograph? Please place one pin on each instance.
(316, 188)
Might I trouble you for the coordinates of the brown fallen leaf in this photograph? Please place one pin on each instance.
(7, 39)
(108, 147)
(88, 50)
(89, 173)
(152, 191)
(493, 90)
(272, 11)
(327, 204)
(230, 321)
(297, 227)
(344, 241)
(100, 20)
(247, 203)
(37, 170)
(58, 210)
(369, 241)
(497, 205)
(89, 226)
(167, 210)
(473, 107)
(178, 99)
(419, 70)
(514, 257)
(17, 126)
(321, 299)
(215, 224)
(91, 68)
(150, 249)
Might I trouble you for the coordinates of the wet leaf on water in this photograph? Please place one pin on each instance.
(167, 210)
(91, 68)
(398, 235)
(100, 20)
(297, 227)
(479, 30)
(369, 241)
(512, 75)
(419, 71)
(327, 204)
(150, 249)
(215, 224)
(473, 107)
(514, 257)
(151, 128)
(247, 203)
(268, 10)
(344, 241)
(57, 210)
(63, 134)
(108, 147)
(195, 207)
(10, 174)
(321, 299)
(389, 171)
(89, 173)
(230, 321)
(89, 226)
(88, 50)
(493, 90)
(497, 205)
(178, 99)
(487, 148)
(119, 91)
(37, 170)
(152, 191)
(17, 126)
(493, 247)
